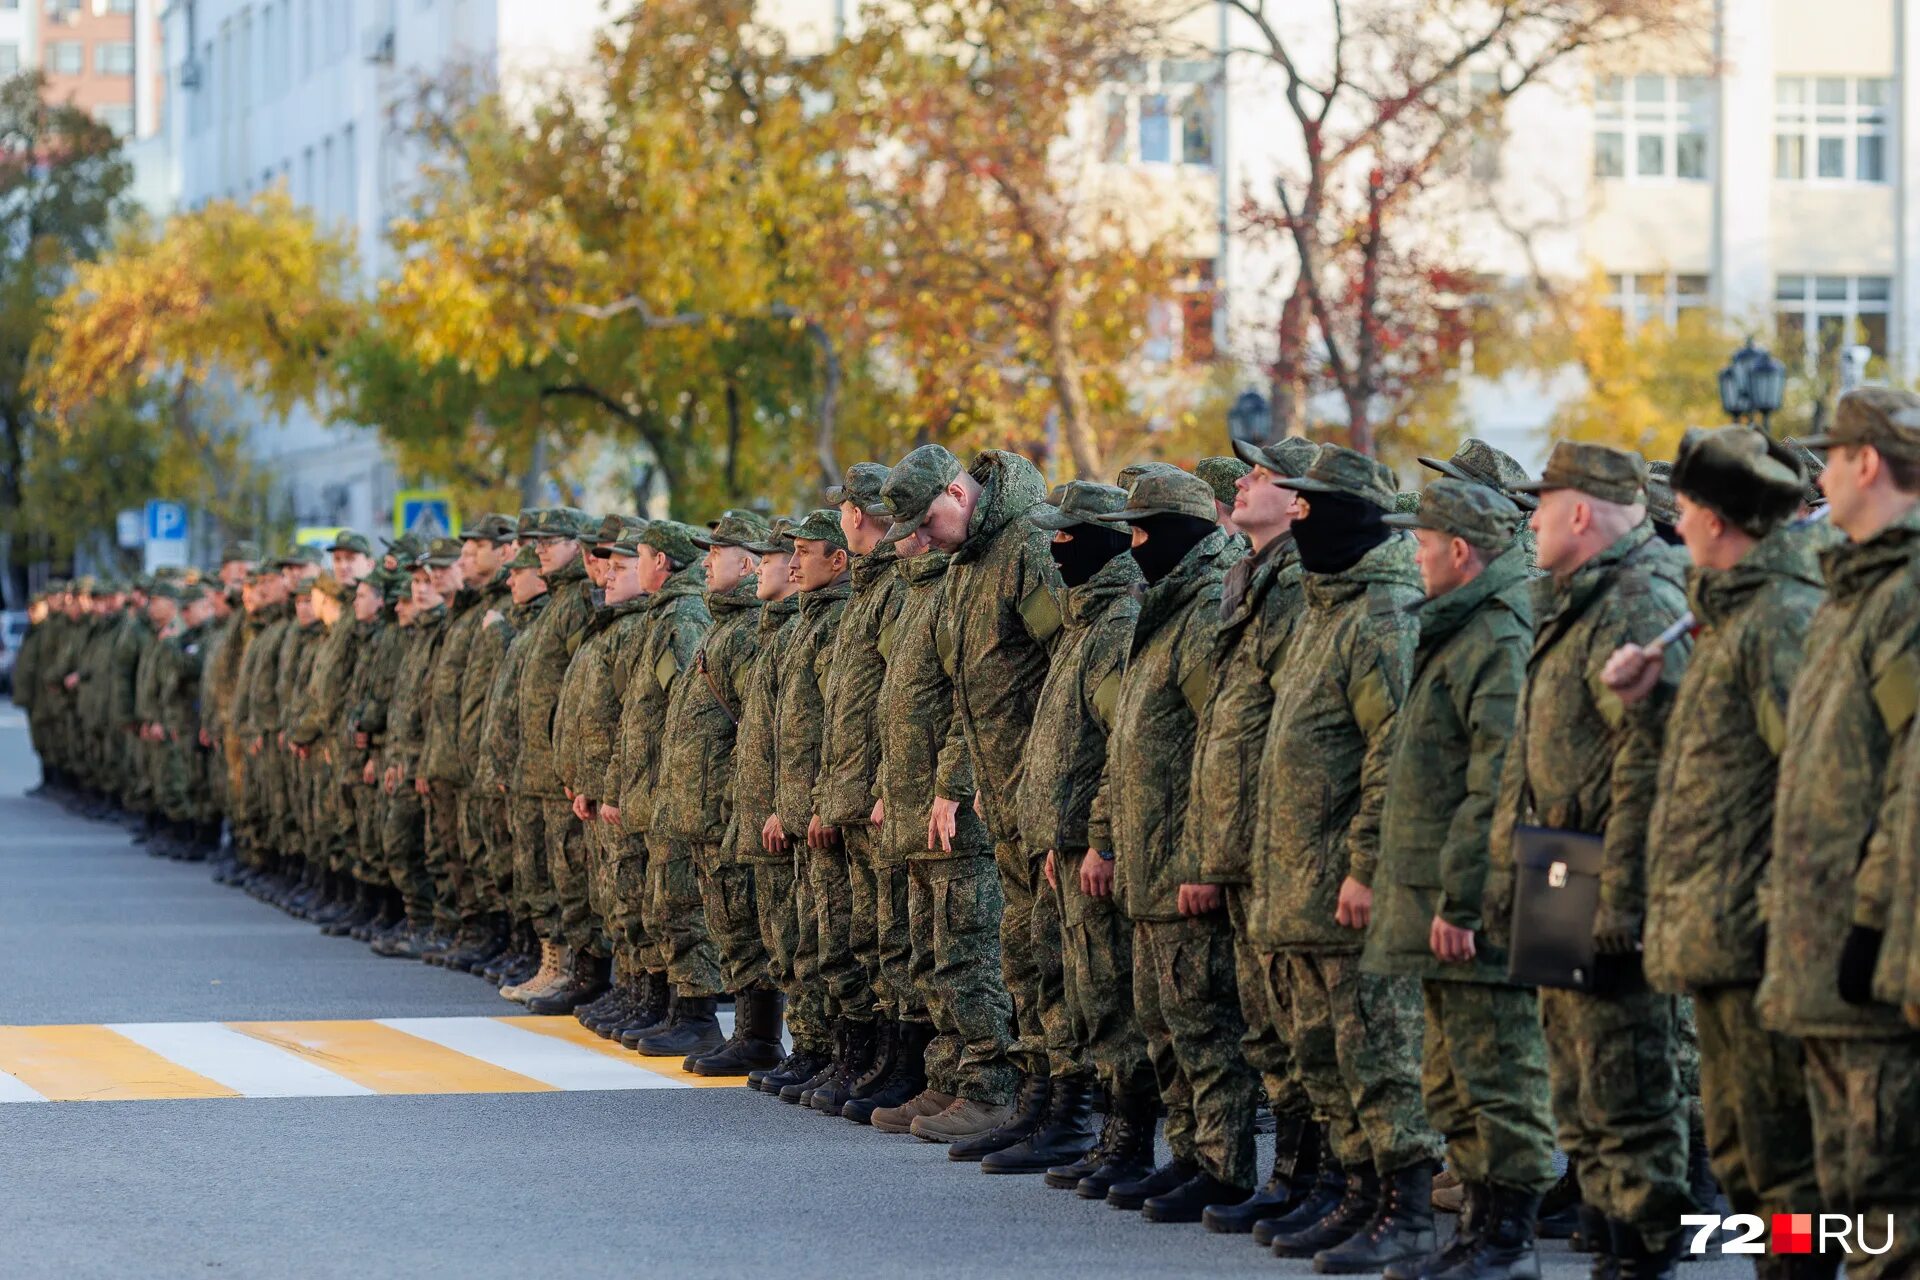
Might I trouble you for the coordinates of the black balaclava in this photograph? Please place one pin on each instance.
(1337, 530)
(1169, 538)
(1092, 547)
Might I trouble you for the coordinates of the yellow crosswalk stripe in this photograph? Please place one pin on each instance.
(389, 1061)
(94, 1064)
(570, 1030)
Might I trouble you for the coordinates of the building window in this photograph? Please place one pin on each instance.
(1830, 129)
(1166, 113)
(113, 58)
(1180, 327)
(9, 59)
(64, 9)
(119, 6)
(1818, 316)
(117, 116)
(1651, 128)
(66, 57)
(1663, 297)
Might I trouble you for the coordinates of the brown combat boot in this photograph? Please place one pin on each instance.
(928, 1102)
(548, 973)
(964, 1119)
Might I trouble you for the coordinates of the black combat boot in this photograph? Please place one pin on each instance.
(652, 1014)
(1401, 1229)
(1701, 1184)
(886, 1042)
(488, 939)
(797, 1090)
(1502, 1247)
(1192, 1198)
(1357, 1205)
(755, 1042)
(797, 1068)
(358, 912)
(614, 997)
(1466, 1238)
(1029, 1114)
(621, 1002)
(907, 1079)
(1296, 1163)
(694, 1028)
(585, 978)
(1327, 1191)
(1066, 1134)
(1635, 1261)
(1065, 1177)
(402, 943)
(828, 1096)
(1129, 1149)
(1170, 1176)
(1560, 1216)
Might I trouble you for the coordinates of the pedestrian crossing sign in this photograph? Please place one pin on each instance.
(425, 513)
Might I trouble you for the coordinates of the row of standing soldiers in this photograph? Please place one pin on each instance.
(1192, 795)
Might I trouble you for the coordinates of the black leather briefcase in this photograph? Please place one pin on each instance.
(1556, 895)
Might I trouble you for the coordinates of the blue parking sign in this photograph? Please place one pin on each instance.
(166, 521)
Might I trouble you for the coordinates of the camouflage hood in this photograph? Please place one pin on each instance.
(1010, 486)
(1854, 567)
(1714, 594)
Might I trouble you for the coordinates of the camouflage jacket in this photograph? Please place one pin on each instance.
(256, 713)
(551, 640)
(1067, 746)
(177, 685)
(1580, 759)
(449, 751)
(676, 620)
(316, 717)
(923, 752)
(1837, 813)
(756, 758)
(1443, 778)
(1140, 812)
(296, 669)
(568, 747)
(406, 740)
(26, 678)
(226, 652)
(1259, 604)
(362, 654)
(850, 732)
(148, 672)
(1711, 834)
(130, 642)
(1323, 766)
(1002, 611)
(94, 699)
(370, 690)
(801, 712)
(694, 769)
(586, 732)
(500, 709)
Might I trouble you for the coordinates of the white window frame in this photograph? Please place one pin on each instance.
(1644, 296)
(1848, 309)
(1158, 79)
(100, 49)
(1851, 122)
(1682, 110)
(56, 45)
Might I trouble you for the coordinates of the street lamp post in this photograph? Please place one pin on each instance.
(1751, 385)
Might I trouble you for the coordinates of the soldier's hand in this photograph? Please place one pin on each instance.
(979, 807)
(1356, 904)
(71, 680)
(362, 741)
(943, 820)
(366, 774)
(302, 752)
(879, 815)
(1096, 875)
(610, 814)
(1450, 943)
(420, 786)
(821, 835)
(1046, 869)
(206, 739)
(1200, 899)
(1632, 672)
(582, 807)
(254, 747)
(773, 836)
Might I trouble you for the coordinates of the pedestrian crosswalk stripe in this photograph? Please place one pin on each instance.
(165, 1060)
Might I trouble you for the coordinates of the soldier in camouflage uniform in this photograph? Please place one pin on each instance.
(1485, 1074)
(403, 830)
(1477, 462)
(1223, 479)
(1004, 610)
(1356, 1035)
(225, 651)
(1843, 831)
(820, 571)
(1583, 761)
(1093, 1040)
(444, 561)
(293, 819)
(1753, 590)
(385, 595)
(1183, 968)
(145, 758)
(317, 724)
(254, 717)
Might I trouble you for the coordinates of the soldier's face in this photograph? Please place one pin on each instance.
(234, 572)
(862, 530)
(351, 566)
(423, 594)
(776, 581)
(161, 610)
(948, 517)
(600, 570)
(1262, 507)
(446, 579)
(556, 554)
(728, 567)
(303, 608)
(198, 613)
(525, 585)
(1443, 561)
(654, 568)
(1848, 476)
(366, 602)
(914, 544)
(479, 560)
(816, 564)
(1557, 543)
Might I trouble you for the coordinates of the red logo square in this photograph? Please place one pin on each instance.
(1792, 1233)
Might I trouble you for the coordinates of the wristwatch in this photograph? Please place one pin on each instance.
(1106, 855)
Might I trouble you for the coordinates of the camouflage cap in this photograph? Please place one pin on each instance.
(528, 521)
(1290, 456)
(1751, 481)
(441, 553)
(1220, 473)
(822, 526)
(778, 540)
(1337, 469)
(164, 591)
(565, 522)
(911, 486)
(525, 558)
(240, 550)
(626, 546)
(1159, 493)
(1479, 462)
(329, 586)
(406, 548)
(1812, 464)
(1661, 507)
(1477, 513)
(674, 540)
(300, 557)
(491, 527)
(733, 529)
(861, 486)
(1132, 473)
(1077, 502)
(1888, 418)
(1406, 502)
(615, 527)
(348, 540)
(1597, 470)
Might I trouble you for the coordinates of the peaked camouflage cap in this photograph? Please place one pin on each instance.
(1888, 418)
(404, 549)
(1131, 474)
(778, 540)
(491, 527)
(1290, 456)
(1660, 504)
(564, 522)
(1160, 493)
(349, 540)
(861, 486)
(1477, 461)
(525, 558)
(677, 541)
(441, 553)
(1220, 473)
(1597, 470)
(822, 525)
(614, 527)
(300, 557)
(241, 550)
(528, 521)
(734, 529)
(911, 486)
(1077, 502)
(626, 546)
(1338, 469)
(1477, 513)
(1811, 463)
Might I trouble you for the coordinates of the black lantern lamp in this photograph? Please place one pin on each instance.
(1751, 385)
(1249, 419)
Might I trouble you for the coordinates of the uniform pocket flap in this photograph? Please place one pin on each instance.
(1041, 614)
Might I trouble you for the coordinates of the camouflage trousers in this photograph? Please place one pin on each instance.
(732, 918)
(532, 890)
(573, 925)
(1029, 955)
(1096, 983)
(1065, 1047)
(1865, 1100)
(601, 844)
(443, 851)
(368, 862)
(485, 830)
(842, 878)
(784, 900)
(1268, 1014)
(1622, 1119)
(1753, 1084)
(1485, 1083)
(635, 949)
(676, 918)
(334, 807)
(896, 995)
(953, 919)
(468, 866)
(1356, 1046)
(403, 838)
(1189, 1013)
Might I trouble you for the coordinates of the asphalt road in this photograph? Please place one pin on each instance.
(681, 1182)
